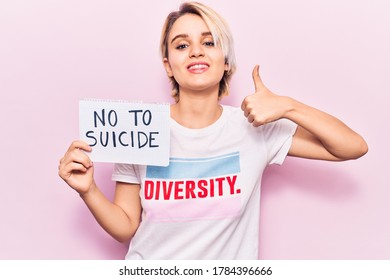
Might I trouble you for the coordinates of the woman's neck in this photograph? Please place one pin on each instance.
(194, 111)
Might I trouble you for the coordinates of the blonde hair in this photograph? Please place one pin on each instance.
(221, 36)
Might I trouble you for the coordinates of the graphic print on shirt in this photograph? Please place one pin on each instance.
(193, 189)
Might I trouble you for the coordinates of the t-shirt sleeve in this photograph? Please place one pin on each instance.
(278, 138)
(125, 173)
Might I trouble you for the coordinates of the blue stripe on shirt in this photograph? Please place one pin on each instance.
(195, 168)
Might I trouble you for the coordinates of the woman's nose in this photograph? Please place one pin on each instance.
(196, 50)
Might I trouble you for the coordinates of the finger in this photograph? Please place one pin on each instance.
(248, 110)
(79, 144)
(67, 170)
(245, 103)
(77, 156)
(256, 78)
(251, 118)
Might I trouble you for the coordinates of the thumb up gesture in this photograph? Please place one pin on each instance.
(263, 106)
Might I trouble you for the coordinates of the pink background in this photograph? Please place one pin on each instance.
(333, 55)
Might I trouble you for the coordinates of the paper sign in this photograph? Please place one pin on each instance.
(126, 132)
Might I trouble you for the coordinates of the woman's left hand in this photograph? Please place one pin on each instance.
(263, 106)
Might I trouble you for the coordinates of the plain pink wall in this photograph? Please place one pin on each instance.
(331, 54)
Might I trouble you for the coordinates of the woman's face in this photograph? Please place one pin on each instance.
(194, 61)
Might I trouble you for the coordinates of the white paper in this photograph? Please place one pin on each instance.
(126, 132)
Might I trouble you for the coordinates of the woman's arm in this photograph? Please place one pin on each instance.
(318, 136)
(119, 218)
(322, 136)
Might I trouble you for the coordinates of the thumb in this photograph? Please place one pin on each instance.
(256, 79)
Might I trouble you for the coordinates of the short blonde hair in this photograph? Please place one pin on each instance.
(221, 36)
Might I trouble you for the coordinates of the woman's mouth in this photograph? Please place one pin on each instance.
(198, 67)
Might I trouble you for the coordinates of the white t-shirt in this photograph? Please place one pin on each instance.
(206, 203)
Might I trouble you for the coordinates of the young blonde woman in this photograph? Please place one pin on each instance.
(205, 204)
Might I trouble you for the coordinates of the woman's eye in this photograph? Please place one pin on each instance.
(181, 46)
(209, 44)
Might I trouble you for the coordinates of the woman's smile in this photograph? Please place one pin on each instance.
(198, 67)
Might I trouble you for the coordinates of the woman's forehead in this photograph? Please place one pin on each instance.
(188, 24)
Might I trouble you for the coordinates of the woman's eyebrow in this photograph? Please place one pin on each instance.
(179, 36)
(204, 34)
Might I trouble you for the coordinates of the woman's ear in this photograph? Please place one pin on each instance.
(168, 68)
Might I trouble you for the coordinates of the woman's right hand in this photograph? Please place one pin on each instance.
(76, 168)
